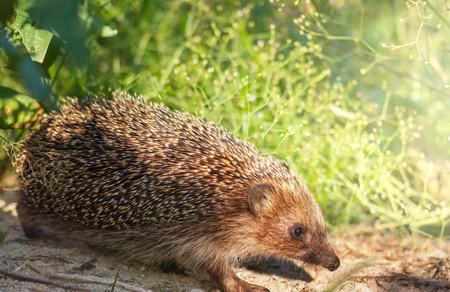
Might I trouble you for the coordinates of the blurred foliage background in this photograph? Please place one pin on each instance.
(355, 95)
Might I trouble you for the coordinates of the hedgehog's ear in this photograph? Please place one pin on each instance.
(259, 198)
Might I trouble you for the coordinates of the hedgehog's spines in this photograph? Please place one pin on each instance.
(171, 166)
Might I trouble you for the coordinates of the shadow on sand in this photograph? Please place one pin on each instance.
(283, 268)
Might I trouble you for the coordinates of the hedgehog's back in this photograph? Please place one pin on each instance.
(115, 164)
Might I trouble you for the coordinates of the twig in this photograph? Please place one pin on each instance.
(52, 84)
(381, 286)
(31, 279)
(405, 279)
(347, 274)
(401, 74)
(115, 281)
(438, 270)
(85, 279)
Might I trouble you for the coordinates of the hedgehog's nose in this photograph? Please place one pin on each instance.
(335, 263)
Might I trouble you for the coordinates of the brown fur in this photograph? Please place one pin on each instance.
(161, 186)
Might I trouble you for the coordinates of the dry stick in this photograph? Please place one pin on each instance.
(85, 279)
(347, 274)
(438, 270)
(404, 278)
(31, 279)
(115, 281)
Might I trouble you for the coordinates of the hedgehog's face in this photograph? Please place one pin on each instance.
(289, 223)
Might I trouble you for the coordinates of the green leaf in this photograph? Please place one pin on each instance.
(15, 107)
(35, 40)
(6, 92)
(65, 22)
(30, 73)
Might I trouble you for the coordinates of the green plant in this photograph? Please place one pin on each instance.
(301, 81)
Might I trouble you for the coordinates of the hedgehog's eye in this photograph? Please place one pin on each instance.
(297, 231)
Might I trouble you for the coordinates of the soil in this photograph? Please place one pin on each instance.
(370, 261)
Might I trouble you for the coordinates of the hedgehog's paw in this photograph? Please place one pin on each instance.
(34, 223)
(248, 287)
(228, 281)
(26, 218)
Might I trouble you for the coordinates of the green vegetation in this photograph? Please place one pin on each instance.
(353, 94)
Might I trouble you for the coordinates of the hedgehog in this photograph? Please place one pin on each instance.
(161, 186)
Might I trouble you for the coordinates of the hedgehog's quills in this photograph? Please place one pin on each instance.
(161, 186)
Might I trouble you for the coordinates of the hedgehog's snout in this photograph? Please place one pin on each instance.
(327, 258)
(323, 256)
(334, 263)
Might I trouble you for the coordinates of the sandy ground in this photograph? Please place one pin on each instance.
(370, 262)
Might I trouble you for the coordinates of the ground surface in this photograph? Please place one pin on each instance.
(370, 262)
